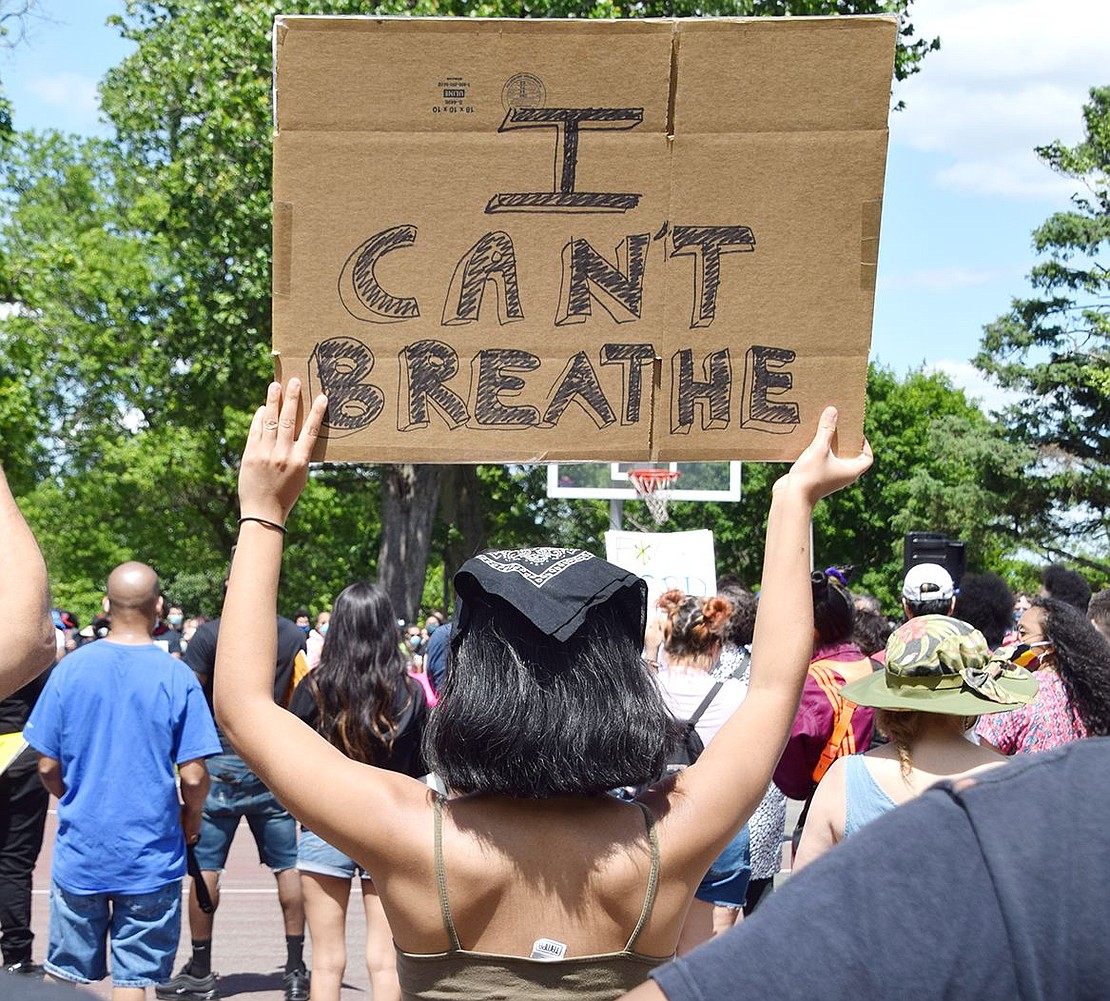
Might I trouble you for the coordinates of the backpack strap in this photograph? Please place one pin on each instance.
(843, 739)
(710, 696)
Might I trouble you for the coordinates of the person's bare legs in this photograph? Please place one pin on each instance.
(698, 927)
(725, 918)
(128, 993)
(381, 958)
(325, 907)
(291, 899)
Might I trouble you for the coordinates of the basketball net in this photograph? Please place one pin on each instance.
(653, 487)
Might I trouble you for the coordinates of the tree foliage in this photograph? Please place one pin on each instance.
(140, 342)
(1054, 349)
(940, 465)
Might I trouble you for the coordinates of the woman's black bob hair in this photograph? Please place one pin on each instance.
(521, 714)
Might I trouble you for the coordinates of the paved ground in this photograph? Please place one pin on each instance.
(249, 941)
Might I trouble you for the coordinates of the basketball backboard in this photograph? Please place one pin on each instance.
(697, 481)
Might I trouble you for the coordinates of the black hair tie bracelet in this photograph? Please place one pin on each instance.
(263, 521)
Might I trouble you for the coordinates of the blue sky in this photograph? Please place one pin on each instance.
(963, 187)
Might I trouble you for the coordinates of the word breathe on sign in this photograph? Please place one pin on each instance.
(343, 365)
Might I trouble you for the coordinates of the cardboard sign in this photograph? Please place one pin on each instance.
(682, 560)
(500, 240)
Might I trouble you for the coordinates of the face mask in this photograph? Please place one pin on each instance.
(414, 642)
(432, 627)
(324, 629)
(175, 620)
(306, 628)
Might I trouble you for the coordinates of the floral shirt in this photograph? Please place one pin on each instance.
(1045, 723)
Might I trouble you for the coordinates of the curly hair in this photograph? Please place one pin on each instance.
(1081, 657)
(741, 624)
(985, 600)
(1066, 585)
(695, 625)
(1098, 611)
(361, 684)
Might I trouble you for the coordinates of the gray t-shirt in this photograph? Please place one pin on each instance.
(995, 892)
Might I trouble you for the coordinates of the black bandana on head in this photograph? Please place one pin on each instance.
(552, 588)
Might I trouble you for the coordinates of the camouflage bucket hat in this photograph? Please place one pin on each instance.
(937, 664)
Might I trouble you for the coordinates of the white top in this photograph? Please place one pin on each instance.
(683, 692)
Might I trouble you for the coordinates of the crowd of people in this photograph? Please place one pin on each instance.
(562, 792)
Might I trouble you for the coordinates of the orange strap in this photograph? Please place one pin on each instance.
(843, 739)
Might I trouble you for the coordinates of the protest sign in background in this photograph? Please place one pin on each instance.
(682, 560)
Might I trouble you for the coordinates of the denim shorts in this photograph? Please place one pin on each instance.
(726, 883)
(143, 929)
(314, 854)
(236, 792)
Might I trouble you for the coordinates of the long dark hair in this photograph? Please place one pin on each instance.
(361, 676)
(523, 715)
(834, 612)
(1081, 658)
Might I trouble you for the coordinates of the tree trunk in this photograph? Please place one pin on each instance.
(410, 496)
(462, 503)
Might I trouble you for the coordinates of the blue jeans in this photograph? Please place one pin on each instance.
(236, 792)
(726, 883)
(143, 929)
(314, 854)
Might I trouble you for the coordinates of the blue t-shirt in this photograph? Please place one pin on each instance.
(118, 718)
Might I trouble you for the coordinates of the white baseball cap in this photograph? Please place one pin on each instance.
(928, 582)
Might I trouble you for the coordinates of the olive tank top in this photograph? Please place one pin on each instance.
(462, 975)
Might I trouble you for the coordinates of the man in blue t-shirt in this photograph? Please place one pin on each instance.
(114, 720)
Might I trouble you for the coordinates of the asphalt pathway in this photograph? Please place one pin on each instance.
(249, 940)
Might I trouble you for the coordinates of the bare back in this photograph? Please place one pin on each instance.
(941, 753)
(572, 869)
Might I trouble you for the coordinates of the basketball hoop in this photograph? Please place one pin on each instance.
(653, 486)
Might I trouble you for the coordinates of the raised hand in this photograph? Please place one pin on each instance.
(819, 471)
(274, 469)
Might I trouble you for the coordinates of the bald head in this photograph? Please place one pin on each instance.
(133, 589)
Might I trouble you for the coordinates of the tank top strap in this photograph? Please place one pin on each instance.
(441, 875)
(653, 877)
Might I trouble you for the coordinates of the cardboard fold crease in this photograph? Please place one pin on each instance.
(554, 240)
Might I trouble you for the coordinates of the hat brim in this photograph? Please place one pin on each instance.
(875, 692)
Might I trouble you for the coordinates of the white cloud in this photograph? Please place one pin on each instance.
(944, 279)
(1009, 76)
(70, 91)
(965, 376)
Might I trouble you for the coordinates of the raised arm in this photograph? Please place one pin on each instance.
(716, 795)
(29, 646)
(348, 804)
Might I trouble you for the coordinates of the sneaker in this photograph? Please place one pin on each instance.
(186, 987)
(25, 968)
(296, 985)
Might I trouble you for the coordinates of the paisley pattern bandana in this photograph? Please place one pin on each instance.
(552, 588)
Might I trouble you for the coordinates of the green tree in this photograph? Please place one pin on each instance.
(141, 266)
(940, 465)
(1054, 349)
